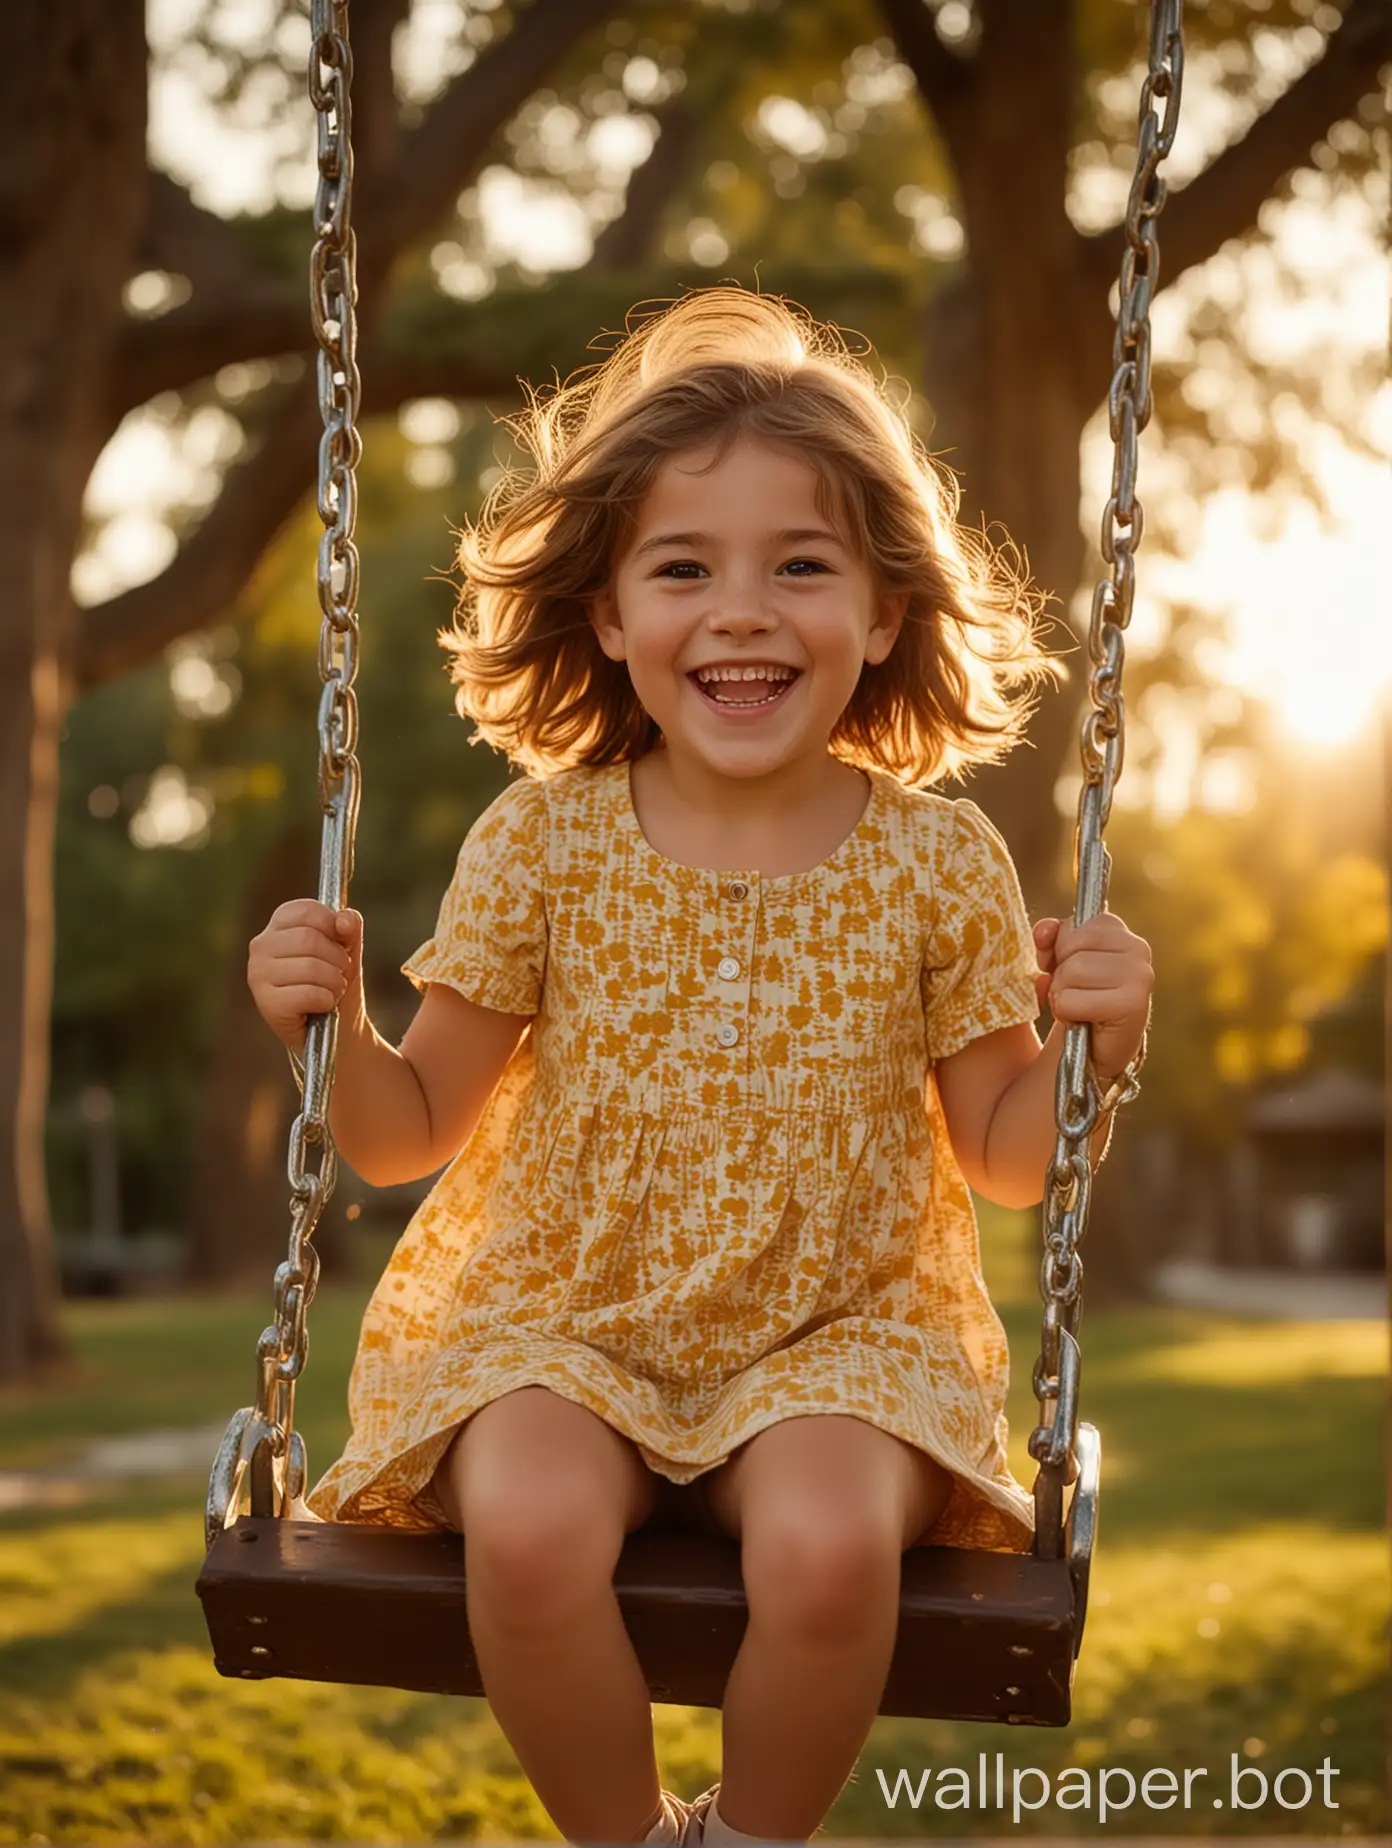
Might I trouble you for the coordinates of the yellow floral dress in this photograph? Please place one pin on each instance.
(713, 1187)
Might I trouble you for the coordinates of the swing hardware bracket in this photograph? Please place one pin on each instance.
(250, 1458)
(1081, 1528)
(1053, 1447)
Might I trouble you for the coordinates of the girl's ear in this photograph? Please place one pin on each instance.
(604, 617)
(884, 631)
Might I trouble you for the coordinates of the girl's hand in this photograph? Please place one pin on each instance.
(308, 960)
(1097, 972)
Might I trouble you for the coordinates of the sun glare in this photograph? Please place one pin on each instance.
(1308, 621)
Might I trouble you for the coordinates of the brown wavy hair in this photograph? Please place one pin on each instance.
(718, 364)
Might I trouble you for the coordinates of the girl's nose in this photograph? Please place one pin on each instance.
(742, 608)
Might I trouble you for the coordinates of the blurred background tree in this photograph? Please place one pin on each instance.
(945, 179)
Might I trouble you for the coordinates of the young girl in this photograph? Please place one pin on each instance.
(723, 1015)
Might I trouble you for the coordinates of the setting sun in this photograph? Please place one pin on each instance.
(1307, 615)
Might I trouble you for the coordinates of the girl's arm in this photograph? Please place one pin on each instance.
(998, 1092)
(395, 1114)
(400, 1113)
(998, 1101)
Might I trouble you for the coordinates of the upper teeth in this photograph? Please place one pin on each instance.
(744, 673)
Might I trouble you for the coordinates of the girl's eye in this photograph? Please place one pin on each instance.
(685, 564)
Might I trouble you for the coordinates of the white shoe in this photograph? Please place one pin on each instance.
(694, 1834)
(707, 1828)
(671, 1826)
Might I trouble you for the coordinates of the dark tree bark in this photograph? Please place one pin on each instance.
(72, 200)
(1002, 371)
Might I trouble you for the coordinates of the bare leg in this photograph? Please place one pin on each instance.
(823, 1507)
(545, 1492)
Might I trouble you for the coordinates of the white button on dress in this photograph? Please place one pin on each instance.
(726, 1034)
(737, 888)
(727, 968)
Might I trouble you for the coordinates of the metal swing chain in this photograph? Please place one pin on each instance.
(262, 1440)
(1078, 1105)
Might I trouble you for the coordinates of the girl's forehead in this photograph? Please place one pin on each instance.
(745, 480)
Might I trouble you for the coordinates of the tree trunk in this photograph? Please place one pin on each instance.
(72, 200)
(239, 1194)
(987, 416)
(1003, 376)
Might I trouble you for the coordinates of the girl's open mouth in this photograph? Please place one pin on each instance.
(736, 697)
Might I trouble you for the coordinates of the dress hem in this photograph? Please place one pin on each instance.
(408, 1474)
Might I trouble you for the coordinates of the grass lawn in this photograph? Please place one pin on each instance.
(1239, 1607)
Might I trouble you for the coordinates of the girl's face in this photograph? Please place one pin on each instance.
(735, 569)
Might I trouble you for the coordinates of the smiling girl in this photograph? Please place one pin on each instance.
(725, 1012)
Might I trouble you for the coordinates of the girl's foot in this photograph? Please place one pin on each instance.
(670, 1829)
(696, 1814)
(707, 1828)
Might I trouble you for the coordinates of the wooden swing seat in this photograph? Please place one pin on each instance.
(982, 1636)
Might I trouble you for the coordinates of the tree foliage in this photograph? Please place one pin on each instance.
(1268, 924)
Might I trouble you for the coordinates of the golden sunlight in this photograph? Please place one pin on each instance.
(1308, 626)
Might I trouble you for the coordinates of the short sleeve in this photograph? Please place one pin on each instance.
(490, 937)
(979, 961)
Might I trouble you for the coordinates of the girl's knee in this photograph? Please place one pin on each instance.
(543, 1493)
(538, 1549)
(820, 1570)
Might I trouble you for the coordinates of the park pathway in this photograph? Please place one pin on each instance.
(108, 1462)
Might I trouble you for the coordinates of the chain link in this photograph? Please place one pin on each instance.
(1102, 741)
(261, 1443)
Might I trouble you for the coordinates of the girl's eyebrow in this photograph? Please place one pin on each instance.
(793, 535)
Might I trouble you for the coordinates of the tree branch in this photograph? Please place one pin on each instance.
(246, 315)
(194, 341)
(232, 291)
(946, 82)
(183, 239)
(625, 242)
(401, 204)
(1223, 201)
(259, 495)
(376, 122)
(394, 207)
(211, 568)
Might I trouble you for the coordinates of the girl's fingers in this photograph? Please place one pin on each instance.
(1093, 969)
(1102, 1006)
(1098, 1002)
(1045, 931)
(304, 941)
(1100, 974)
(306, 1000)
(1103, 932)
(311, 971)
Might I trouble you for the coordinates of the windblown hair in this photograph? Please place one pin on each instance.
(717, 365)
